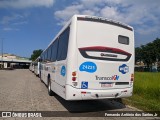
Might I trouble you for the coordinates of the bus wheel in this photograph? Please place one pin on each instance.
(50, 92)
(37, 75)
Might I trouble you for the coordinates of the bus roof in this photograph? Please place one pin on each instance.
(103, 20)
(94, 19)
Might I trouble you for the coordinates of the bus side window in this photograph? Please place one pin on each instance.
(42, 57)
(54, 48)
(45, 56)
(63, 45)
(49, 52)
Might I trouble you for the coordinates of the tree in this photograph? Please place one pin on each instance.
(138, 54)
(157, 48)
(35, 54)
(149, 53)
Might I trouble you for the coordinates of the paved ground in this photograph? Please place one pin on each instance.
(21, 90)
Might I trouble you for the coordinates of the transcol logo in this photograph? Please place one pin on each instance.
(114, 77)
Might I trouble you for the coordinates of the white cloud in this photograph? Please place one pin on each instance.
(10, 29)
(19, 4)
(15, 19)
(93, 3)
(9, 23)
(145, 30)
(88, 7)
(8, 19)
(140, 13)
(88, 12)
(109, 12)
(64, 15)
(20, 23)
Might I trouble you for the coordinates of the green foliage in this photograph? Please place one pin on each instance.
(147, 84)
(148, 53)
(146, 91)
(138, 54)
(35, 54)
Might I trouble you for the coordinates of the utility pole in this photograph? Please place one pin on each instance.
(2, 54)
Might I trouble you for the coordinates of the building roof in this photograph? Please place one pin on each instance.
(13, 58)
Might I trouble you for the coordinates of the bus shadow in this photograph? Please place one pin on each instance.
(91, 105)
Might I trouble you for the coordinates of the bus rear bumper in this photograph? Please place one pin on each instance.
(89, 94)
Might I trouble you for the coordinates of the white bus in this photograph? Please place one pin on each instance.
(31, 67)
(90, 58)
(37, 66)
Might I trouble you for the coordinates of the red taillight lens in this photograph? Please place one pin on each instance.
(73, 78)
(132, 79)
(125, 91)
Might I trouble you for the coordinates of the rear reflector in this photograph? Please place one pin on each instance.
(83, 92)
(74, 83)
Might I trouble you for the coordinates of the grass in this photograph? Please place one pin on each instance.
(146, 92)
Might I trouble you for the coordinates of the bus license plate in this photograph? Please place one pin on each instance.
(106, 85)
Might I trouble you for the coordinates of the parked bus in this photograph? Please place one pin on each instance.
(90, 58)
(37, 66)
(31, 67)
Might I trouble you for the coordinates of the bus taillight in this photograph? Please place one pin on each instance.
(132, 77)
(74, 76)
(73, 73)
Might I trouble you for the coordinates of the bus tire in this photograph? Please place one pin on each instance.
(37, 75)
(50, 92)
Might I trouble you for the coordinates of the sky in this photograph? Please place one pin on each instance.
(27, 25)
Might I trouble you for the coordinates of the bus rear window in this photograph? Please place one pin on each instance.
(123, 40)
